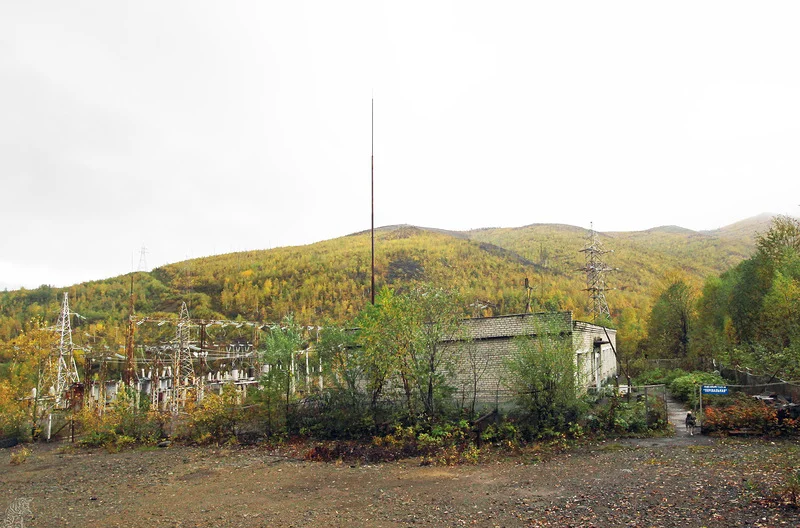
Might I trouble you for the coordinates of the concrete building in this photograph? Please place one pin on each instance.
(488, 343)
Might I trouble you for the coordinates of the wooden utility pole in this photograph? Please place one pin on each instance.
(528, 292)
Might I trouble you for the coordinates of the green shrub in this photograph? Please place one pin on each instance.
(504, 434)
(14, 422)
(621, 417)
(685, 388)
(546, 379)
(659, 376)
(98, 438)
(128, 416)
(97, 428)
(337, 414)
(119, 442)
(213, 420)
(576, 430)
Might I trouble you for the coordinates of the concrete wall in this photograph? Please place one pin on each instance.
(594, 352)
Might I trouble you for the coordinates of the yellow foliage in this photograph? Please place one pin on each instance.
(331, 279)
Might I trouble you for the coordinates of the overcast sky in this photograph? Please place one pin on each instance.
(195, 128)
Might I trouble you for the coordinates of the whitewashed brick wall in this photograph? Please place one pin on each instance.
(489, 343)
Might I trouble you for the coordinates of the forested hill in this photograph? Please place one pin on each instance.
(329, 280)
(642, 257)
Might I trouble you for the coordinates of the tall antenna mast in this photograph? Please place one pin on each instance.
(372, 193)
(595, 270)
(130, 364)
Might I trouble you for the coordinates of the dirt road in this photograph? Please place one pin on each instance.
(726, 483)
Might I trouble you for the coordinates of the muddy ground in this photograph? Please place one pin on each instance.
(681, 481)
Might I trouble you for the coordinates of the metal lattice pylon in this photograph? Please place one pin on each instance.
(182, 367)
(595, 270)
(142, 259)
(66, 369)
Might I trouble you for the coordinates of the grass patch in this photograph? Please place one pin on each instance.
(19, 456)
(614, 448)
(66, 449)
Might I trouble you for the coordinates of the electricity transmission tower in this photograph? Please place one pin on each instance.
(66, 369)
(59, 374)
(596, 270)
(61, 371)
(183, 374)
(142, 259)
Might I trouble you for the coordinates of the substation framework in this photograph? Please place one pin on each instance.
(182, 370)
(171, 373)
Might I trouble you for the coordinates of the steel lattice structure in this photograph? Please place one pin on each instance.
(66, 369)
(175, 372)
(183, 375)
(596, 270)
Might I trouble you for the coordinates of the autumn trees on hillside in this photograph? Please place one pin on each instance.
(329, 280)
(402, 336)
(749, 316)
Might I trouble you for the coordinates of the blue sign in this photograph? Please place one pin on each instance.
(715, 389)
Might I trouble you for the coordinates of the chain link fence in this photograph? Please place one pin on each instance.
(755, 384)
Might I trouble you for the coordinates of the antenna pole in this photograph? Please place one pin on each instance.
(372, 192)
(130, 363)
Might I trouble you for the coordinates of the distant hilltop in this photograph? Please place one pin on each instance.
(330, 280)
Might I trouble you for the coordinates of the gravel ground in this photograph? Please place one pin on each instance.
(682, 481)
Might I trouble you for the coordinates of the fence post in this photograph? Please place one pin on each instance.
(700, 388)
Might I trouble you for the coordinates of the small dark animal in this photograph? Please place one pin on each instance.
(691, 423)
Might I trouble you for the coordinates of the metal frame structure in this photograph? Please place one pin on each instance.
(176, 372)
(66, 370)
(596, 269)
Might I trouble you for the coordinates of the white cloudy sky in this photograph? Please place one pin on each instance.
(203, 127)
